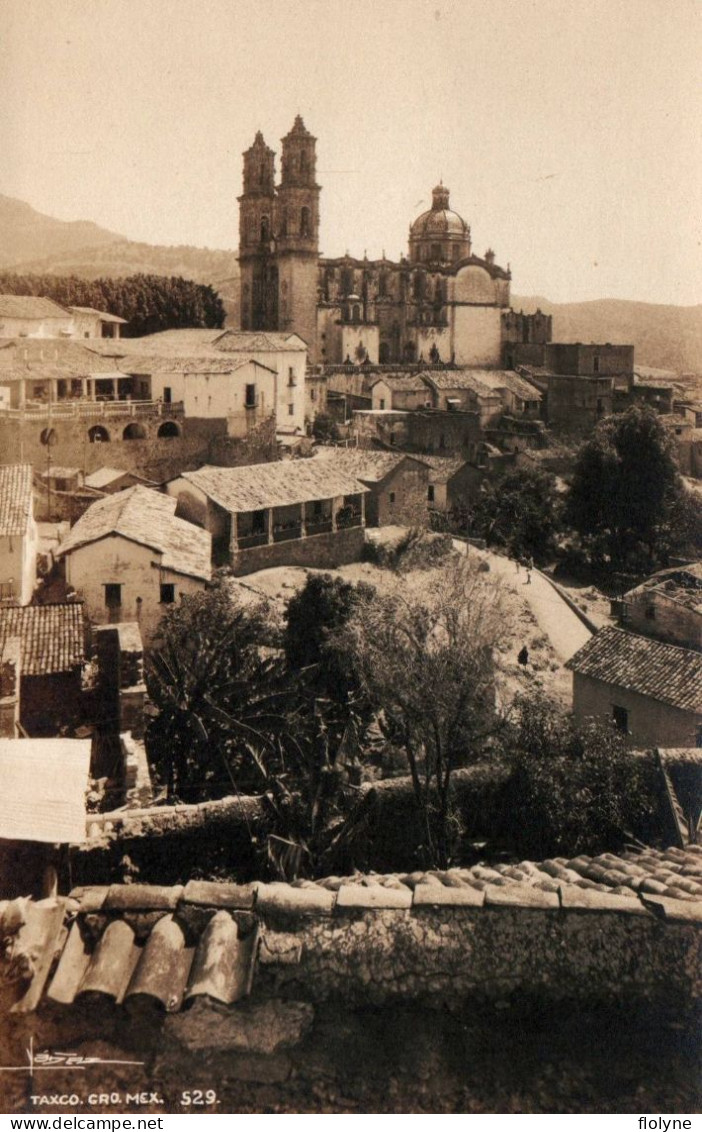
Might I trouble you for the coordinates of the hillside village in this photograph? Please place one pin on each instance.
(330, 671)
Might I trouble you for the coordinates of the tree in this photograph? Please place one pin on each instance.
(215, 694)
(427, 665)
(314, 617)
(574, 789)
(324, 428)
(521, 511)
(625, 488)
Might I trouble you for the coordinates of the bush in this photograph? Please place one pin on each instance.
(575, 789)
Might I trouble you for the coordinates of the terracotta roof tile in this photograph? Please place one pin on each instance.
(667, 673)
(15, 498)
(367, 464)
(52, 637)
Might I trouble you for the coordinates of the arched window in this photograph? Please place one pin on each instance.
(346, 281)
(303, 162)
(356, 313)
(168, 429)
(436, 252)
(98, 435)
(265, 229)
(305, 225)
(419, 285)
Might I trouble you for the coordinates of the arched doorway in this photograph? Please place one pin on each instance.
(134, 431)
(167, 429)
(98, 434)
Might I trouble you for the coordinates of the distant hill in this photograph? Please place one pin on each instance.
(26, 234)
(666, 337)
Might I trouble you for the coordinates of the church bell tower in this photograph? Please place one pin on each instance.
(257, 259)
(298, 236)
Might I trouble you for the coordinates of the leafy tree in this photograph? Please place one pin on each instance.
(625, 489)
(426, 664)
(324, 428)
(574, 789)
(521, 511)
(314, 617)
(149, 302)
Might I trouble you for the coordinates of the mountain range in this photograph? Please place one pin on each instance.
(666, 337)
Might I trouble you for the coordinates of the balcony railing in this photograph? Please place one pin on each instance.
(318, 526)
(283, 533)
(93, 410)
(348, 517)
(244, 542)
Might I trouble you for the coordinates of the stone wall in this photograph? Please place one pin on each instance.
(672, 621)
(325, 551)
(159, 459)
(401, 498)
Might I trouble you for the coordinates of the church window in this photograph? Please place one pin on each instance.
(305, 226)
(456, 251)
(595, 364)
(356, 313)
(383, 284)
(436, 252)
(303, 162)
(419, 285)
(346, 281)
(265, 229)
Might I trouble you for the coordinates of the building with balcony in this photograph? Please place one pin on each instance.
(293, 512)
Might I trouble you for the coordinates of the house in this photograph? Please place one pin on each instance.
(110, 480)
(45, 647)
(293, 512)
(42, 806)
(130, 557)
(33, 316)
(464, 389)
(519, 397)
(667, 606)
(441, 494)
(214, 387)
(652, 691)
(401, 391)
(286, 355)
(397, 482)
(18, 534)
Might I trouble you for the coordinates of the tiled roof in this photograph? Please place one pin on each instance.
(30, 306)
(256, 342)
(367, 464)
(53, 357)
(52, 636)
(257, 486)
(442, 468)
(667, 673)
(148, 518)
(43, 789)
(190, 363)
(105, 316)
(497, 379)
(104, 476)
(448, 379)
(15, 498)
(175, 944)
(403, 382)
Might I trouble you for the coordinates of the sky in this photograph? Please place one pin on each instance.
(568, 132)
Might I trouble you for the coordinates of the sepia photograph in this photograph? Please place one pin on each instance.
(350, 560)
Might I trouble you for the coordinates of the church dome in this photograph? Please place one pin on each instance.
(439, 234)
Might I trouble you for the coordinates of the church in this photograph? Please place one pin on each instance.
(439, 304)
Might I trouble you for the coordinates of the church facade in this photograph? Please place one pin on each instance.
(440, 303)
